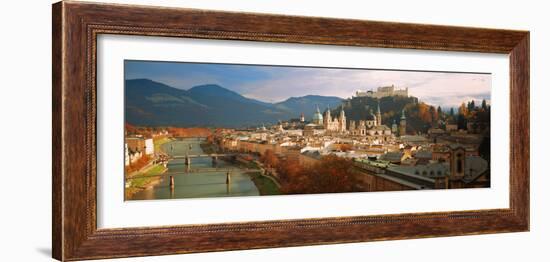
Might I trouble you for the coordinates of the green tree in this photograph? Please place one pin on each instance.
(484, 105)
(471, 106)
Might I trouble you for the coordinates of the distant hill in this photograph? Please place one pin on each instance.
(149, 103)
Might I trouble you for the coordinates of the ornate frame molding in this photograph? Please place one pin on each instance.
(76, 26)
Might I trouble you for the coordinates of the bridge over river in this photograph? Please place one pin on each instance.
(188, 157)
(201, 155)
(197, 174)
(199, 171)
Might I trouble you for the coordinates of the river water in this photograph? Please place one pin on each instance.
(202, 178)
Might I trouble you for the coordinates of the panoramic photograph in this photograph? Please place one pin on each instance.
(200, 130)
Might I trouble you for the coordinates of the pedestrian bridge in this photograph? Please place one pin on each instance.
(201, 155)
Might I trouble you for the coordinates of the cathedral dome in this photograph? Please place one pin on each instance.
(371, 116)
(317, 117)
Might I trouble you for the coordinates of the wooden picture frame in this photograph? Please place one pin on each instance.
(76, 26)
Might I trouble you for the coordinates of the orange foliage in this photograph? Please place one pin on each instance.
(345, 147)
(143, 131)
(139, 164)
(247, 157)
(463, 110)
(189, 132)
(130, 128)
(424, 112)
(174, 131)
(331, 175)
(434, 113)
(269, 158)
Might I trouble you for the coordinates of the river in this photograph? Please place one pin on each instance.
(202, 178)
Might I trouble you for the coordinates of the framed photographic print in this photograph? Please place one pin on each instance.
(182, 130)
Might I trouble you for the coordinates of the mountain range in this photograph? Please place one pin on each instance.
(150, 103)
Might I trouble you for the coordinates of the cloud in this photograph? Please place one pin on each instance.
(278, 83)
(445, 89)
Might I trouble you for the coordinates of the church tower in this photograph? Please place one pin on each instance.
(394, 128)
(457, 164)
(403, 124)
(379, 115)
(280, 126)
(342, 120)
(302, 118)
(327, 119)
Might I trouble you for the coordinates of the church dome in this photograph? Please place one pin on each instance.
(371, 116)
(317, 116)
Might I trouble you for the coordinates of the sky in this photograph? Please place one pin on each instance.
(278, 83)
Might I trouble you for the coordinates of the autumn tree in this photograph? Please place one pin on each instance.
(463, 109)
(130, 129)
(345, 147)
(424, 113)
(139, 164)
(331, 174)
(290, 172)
(269, 158)
(210, 139)
(189, 132)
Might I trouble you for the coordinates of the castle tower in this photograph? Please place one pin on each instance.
(342, 120)
(403, 124)
(379, 115)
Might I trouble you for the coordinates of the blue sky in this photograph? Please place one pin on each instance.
(278, 83)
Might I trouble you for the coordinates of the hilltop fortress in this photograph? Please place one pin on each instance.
(383, 91)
